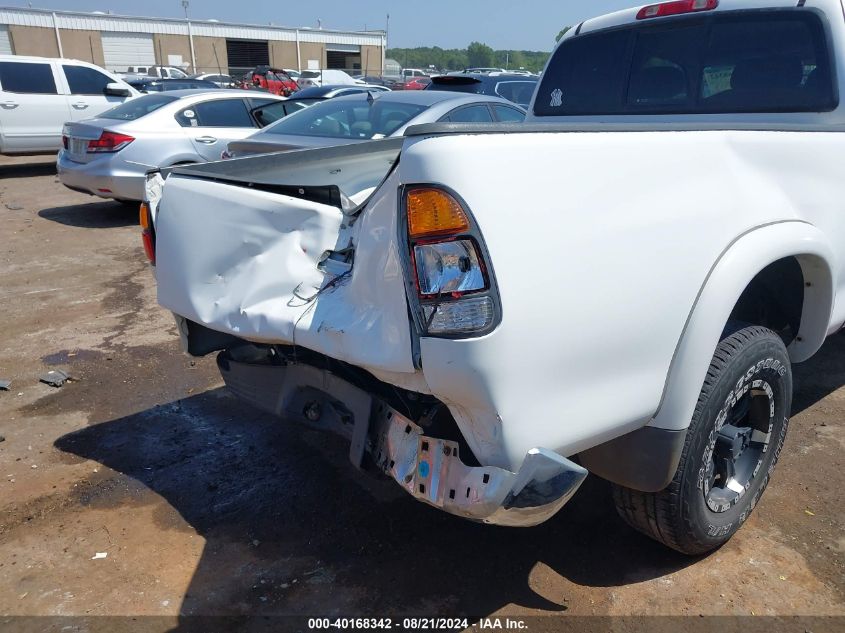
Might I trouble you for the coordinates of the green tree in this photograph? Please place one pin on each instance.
(562, 33)
(480, 55)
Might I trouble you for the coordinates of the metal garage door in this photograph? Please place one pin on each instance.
(5, 43)
(122, 50)
(245, 55)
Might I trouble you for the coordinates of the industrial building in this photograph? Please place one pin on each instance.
(116, 42)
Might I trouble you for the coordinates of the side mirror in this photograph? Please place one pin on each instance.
(116, 90)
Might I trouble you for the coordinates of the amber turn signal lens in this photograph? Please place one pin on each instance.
(434, 212)
(144, 216)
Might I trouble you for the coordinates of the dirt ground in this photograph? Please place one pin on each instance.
(142, 488)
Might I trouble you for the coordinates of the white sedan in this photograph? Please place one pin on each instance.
(108, 156)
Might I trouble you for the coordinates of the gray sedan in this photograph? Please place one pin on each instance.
(362, 117)
(108, 156)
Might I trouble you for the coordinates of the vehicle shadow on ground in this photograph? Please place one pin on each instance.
(93, 215)
(291, 528)
(820, 376)
(24, 170)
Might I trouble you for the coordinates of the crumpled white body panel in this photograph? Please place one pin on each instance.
(243, 261)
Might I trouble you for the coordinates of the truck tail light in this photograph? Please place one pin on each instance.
(677, 7)
(453, 289)
(65, 141)
(148, 232)
(109, 142)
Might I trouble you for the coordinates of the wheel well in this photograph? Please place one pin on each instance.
(774, 299)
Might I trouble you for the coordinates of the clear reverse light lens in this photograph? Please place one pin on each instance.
(448, 267)
(466, 315)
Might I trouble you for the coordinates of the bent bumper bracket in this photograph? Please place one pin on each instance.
(428, 468)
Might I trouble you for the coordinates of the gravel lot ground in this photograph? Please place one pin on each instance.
(204, 506)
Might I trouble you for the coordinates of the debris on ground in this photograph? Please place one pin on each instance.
(5, 384)
(99, 555)
(55, 377)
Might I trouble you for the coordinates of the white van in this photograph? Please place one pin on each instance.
(38, 94)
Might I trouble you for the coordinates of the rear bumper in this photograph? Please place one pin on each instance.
(428, 468)
(121, 180)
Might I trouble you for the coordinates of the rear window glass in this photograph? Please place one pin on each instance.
(217, 113)
(756, 61)
(516, 91)
(136, 108)
(457, 84)
(27, 78)
(348, 119)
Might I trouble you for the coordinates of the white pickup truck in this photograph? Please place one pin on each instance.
(488, 312)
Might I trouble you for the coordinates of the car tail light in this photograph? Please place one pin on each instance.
(453, 289)
(109, 142)
(145, 219)
(678, 7)
(65, 141)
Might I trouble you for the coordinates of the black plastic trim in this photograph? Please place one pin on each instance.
(645, 459)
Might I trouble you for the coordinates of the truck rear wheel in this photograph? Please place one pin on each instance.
(731, 448)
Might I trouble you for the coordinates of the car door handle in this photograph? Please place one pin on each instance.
(9, 105)
(80, 105)
(208, 140)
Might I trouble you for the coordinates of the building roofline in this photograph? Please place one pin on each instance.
(182, 21)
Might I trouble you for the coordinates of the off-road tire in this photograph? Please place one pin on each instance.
(681, 516)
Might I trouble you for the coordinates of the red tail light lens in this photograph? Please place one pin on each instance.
(65, 141)
(678, 7)
(148, 233)
(109, 142)
(149, 247)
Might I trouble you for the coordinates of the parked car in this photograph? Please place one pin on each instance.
(222, 81)
(417, 83)
(361, 117)
(516, 88)
(411, 73)
(159, 72)
(376, 80)
(626, 278)
(273, 80)
(272, 112)
(331, 91)
(483, 71)
(311, 78)
(162, 85)
(38, 94)
(107, 156)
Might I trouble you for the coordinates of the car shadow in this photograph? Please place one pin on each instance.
(288, 523)
(290, 528)
(24, 170)
(105, 214)
(820, 376)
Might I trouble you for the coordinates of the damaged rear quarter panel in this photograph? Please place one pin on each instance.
(244, 261)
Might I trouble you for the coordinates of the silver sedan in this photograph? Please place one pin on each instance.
(108, 156)
(361, 117)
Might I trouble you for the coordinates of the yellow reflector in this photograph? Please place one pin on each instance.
(144, 215)
(434, 212)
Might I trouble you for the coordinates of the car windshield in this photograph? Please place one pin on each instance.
(136, 108)
(309, 74)
(356, 118)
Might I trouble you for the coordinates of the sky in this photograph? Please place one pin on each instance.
(502, 24)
